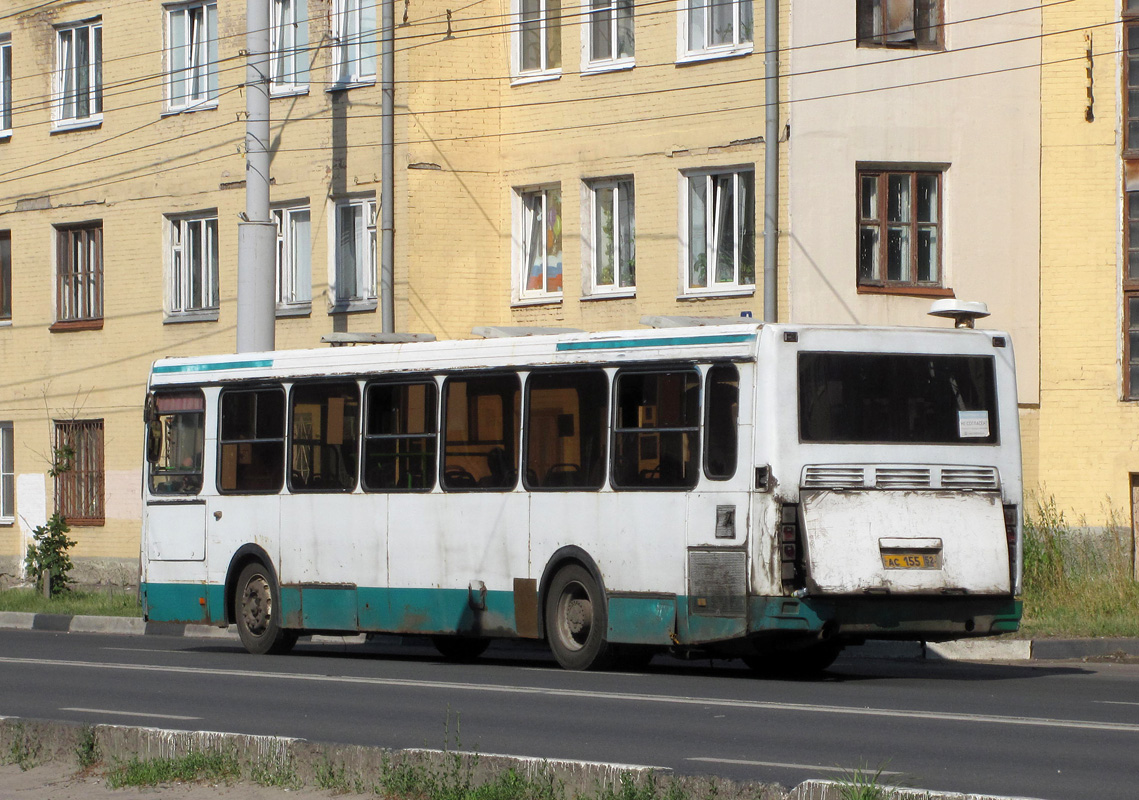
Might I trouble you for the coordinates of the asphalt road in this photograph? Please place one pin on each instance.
(1055, 730)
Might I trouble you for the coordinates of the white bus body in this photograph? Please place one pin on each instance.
(762, 490)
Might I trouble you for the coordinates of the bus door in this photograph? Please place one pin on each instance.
(717, 517)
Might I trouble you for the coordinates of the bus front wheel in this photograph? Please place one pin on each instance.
(258, 612)
(576, 622)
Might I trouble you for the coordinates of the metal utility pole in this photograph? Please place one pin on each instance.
(771, 162)
(256, 233)
(387, 167)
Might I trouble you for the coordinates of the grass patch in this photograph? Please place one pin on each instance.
(190, 768)
(1078, 581)
(24, 749)
(119, 603)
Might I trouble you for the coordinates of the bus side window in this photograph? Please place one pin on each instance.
(322, 442)
(400, 437)
(656, 434)
(721, 419)
(481, 446)
(176, 441)
(251, 443)
(565, 430)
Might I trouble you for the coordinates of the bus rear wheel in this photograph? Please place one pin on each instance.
(576, 622)
(257, 607)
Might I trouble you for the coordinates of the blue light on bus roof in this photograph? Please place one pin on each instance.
(672, 341)
(268, 362)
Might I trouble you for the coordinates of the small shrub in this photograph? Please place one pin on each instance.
(861, 784)
(190, 768)
(49, 552)
(87, 751)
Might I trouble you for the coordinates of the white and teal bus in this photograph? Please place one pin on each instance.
(766, 491)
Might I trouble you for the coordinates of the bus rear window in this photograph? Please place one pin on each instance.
(893, 398)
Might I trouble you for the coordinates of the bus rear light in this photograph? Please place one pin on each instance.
(791, 563)
(788, 533)
(1010, 524)
(790, 552)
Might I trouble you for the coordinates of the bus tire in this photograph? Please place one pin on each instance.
(257, 608)
(460, 648)
(576, 622)
(801, 662)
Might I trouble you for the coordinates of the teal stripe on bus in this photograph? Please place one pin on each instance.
(675, 341)
(262, 364)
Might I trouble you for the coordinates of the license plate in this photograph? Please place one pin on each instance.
(911, 560)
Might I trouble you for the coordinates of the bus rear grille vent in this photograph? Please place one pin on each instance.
(834, 477)
(977, 478)
(902, 478)
(717, 583)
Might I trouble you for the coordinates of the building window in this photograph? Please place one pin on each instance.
(610, 32)
(716, 27)
(79, 74)
(5, 84)
(5, 275)
(1131, 299)
(1131, 119)
(354, 36)
(613, 246)
(289, 48)
(192, 55)
(539, 243)
(294, 258)
(193, 283)
(354, 261)
(899, 229)
(899, 23)
(79, 273)
(538, 37)
(720, 228)
(7, 474)
(79, 486)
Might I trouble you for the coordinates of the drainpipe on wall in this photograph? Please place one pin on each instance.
(256, 233)
(387, 168)
(771, 162)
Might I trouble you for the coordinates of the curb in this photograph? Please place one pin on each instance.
(301, 761)
(961, 650)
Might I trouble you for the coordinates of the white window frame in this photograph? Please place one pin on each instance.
(294, 259)
(532, 208)
(192, 67)
(358, 293)
(7, 474)
(623, 190)
(5, 84)
(182, 275)
(288, 48)
(355, 35)
(741, 41)
(618, 18)
(66, 94)
(546, 16)
(714, 216)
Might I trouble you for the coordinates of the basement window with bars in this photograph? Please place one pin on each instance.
(79, 486)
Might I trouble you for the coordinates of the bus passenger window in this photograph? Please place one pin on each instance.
(322, 445)
(399, 437)
(176, 441)
(252, 441)
(481, 446)
(656, 434)
(722, 408)
(565, 430)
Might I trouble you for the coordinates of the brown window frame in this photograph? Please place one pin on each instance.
(79, 286)
(921, 37)
(80, 489)
(6, 276)
(1129, 277)
(869, 282)
(1130, 84)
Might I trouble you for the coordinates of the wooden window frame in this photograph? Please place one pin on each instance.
(879, 284)
(79, 287)
(80, 490)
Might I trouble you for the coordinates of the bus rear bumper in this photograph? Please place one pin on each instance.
(914, 618)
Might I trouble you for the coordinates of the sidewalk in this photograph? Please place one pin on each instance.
(964, 650)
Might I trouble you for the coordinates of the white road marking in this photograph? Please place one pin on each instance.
(781, 765)
(578, 693)
(1115, 702)
(128, 713)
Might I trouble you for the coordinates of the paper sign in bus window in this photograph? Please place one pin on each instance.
(973, 424)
